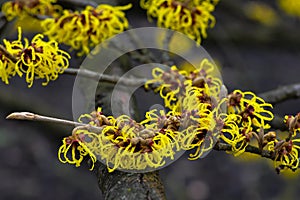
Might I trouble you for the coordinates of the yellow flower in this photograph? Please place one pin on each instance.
(231, 133)
(74, 148)
(87, 28)
(7, 68)
(24, 11)
(37, 59)
(207, 73)
(189, 17)
(196, 98)
(246, 116)
(123, 143)
(286, 154)
(286, 151)
(170, 84)
(17, 8)
(199, 137)
(253, 109)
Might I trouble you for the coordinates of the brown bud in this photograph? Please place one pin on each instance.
(270, 136)
(135, 141)
(199, 82)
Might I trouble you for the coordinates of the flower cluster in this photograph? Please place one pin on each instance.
(247, 115)
(126, 144)
(36, 59)
(195, 121)
(189, 17)
(291, 7)
(286, 153)
(21, 9)
(171, 84)
(87, 28)
(123, 143)
(287, 150)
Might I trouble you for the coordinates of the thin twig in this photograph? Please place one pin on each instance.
(7, 54)
(105, 77)
(78, 3)
(282, 93)
(250, 149)
(35, 117)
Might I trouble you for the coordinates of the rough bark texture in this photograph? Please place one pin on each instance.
(122, 185)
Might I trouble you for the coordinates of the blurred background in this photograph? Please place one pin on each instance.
(257, 46)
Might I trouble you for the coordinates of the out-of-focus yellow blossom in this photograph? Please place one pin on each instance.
(192, 18)
(291, 7)
(7, 68)
(262, 13)
(87, 28)
(37, 59)
(24, 11)
(22, 8)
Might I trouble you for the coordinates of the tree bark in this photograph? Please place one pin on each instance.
(131, 186)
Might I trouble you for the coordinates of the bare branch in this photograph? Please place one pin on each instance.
(7, 54)
(282, 93)
(250, 149)
(34, 117)
(105, 77)
(78, 3)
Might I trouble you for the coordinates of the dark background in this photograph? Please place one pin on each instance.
(252, 57)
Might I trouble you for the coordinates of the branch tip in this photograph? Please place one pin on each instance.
(21, 116)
